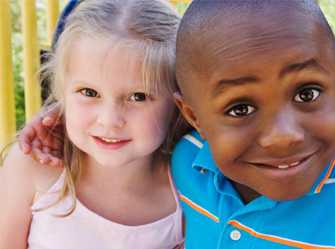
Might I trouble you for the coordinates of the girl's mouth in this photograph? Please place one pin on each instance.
(111, 143)
(110, 140)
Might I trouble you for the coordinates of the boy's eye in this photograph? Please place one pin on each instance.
(138, 97)
(88, 92)
(241, 110)
(307, 95)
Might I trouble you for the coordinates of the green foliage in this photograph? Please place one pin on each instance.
(17, 63)
(18, 53)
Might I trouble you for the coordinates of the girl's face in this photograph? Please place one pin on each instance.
(109, 114)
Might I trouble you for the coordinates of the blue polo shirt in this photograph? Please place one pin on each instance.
(216, 217)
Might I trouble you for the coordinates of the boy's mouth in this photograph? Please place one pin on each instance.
(283, 163)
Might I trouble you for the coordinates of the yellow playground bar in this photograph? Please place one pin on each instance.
(31, 60)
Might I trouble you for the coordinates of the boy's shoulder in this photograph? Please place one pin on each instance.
(184, 155)
(186, 150)
(188, 147)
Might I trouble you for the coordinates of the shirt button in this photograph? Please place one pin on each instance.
(203, 171)
(235, 235)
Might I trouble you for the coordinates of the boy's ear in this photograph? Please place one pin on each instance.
(187, 112)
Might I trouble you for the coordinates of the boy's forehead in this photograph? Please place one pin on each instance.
(236, 33)
(254, 37)
(229, 29)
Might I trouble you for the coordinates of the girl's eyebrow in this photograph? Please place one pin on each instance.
(80, 82)
(297, 67)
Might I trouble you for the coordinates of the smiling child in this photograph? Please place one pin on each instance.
(257, 82)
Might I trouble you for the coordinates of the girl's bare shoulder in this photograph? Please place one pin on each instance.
(22, 170)
(20, 177)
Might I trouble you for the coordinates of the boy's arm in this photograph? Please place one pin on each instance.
(42, 137)
(16, 195)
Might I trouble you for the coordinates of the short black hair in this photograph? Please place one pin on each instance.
(202, 18)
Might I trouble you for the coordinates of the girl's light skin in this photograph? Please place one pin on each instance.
(104, 99)
(116, 121)
(107, 101)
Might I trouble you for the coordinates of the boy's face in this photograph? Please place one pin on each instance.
(266, 105)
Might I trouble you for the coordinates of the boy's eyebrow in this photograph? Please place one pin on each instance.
(296, 67)
(233, 82)
(291, 68)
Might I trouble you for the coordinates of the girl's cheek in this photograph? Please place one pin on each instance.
(161, 120)
(77, 111)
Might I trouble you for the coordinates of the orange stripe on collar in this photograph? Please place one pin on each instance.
(322, 183)
(198, 208)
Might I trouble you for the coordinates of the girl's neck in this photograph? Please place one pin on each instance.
(131, 177)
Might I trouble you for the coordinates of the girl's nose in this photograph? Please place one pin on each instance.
(111, 117)
(282, 133)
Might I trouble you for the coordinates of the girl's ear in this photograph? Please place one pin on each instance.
(187, 112)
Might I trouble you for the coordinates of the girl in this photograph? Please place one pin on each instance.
(112, 73)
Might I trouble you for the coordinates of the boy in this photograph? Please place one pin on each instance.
(257, 81)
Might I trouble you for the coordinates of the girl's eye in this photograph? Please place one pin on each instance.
(241, 110)
(88, 92)
(307, 95)
(138, 97)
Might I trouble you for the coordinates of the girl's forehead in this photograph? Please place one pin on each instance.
(106, 48)
(103, 55)
(119, 64)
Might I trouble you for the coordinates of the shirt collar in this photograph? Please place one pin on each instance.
(204, 160)
(326, 177)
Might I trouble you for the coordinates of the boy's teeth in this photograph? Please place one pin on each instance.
(285, 166)
(294, 164)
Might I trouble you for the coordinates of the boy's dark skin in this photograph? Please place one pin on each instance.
(257, 80)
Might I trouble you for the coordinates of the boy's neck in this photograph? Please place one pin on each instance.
(247, 194)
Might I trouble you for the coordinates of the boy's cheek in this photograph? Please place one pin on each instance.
(322, 126)
(230, 144)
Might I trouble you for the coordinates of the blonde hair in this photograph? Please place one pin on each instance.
(148, 25)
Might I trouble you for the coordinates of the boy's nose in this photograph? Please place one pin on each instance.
(111, 116)
(282, 133)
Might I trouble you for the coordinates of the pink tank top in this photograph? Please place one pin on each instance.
(85, 229)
